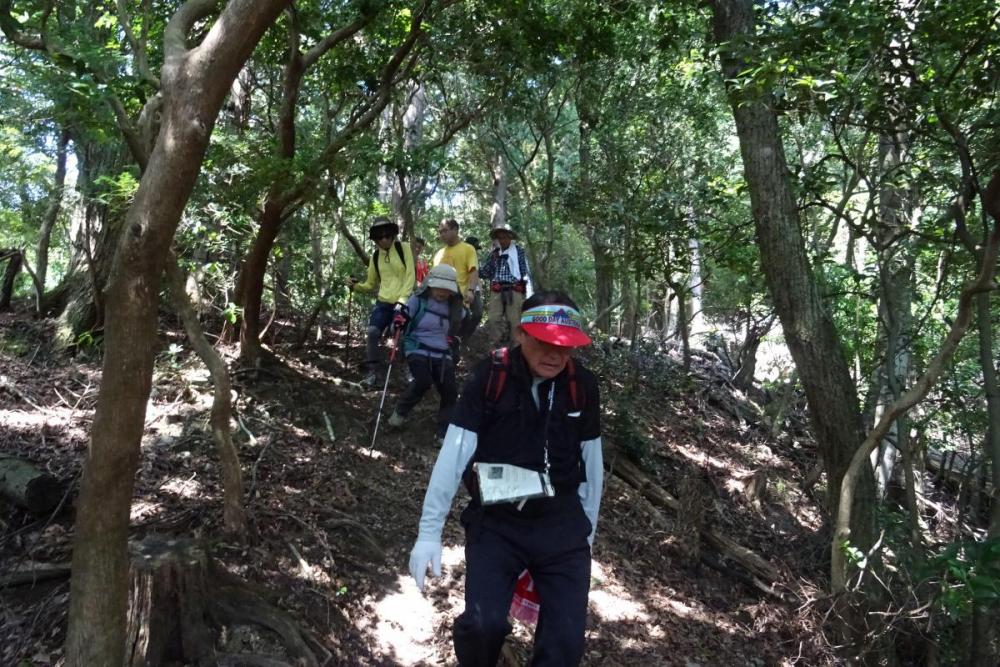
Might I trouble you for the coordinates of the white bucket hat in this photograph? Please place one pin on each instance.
(443, 276)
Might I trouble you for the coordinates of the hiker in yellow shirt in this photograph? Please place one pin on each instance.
(392, 270)
(462, 257)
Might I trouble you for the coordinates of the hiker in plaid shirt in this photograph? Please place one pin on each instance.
(510, 284)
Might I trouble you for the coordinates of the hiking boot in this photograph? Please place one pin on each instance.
(396, 420)
(370, 381)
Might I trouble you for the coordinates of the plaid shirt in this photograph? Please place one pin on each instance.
(497, 268)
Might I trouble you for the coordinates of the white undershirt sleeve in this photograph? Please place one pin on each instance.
(591, 490)
(456, 452)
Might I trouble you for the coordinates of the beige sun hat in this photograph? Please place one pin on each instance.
(442, 275)
(503, 228)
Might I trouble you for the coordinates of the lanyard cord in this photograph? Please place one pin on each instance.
(548, 419)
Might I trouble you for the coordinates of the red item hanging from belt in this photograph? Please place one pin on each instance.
(525, 604)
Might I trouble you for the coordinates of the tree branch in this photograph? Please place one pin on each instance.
(175, 34)
(139, 55)
(983, 282)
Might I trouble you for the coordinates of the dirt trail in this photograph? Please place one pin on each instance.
(334, 522)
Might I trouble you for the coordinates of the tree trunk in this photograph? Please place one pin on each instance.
(603, 261)
(78, 299)
(316, 249)
(984, 282)
(250, 284)
(539, 272)
(683, 323)
(281, 195)
(743, 379)
(809, 331)
(51, 215)
(604, 275)
(896, 275)
(13, 257)
(194, 82)
(406, 195)
(984, 615)
(498, 213)
(233, 515)
(697, 325)
(241, 97)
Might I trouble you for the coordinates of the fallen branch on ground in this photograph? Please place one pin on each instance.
(753, 563)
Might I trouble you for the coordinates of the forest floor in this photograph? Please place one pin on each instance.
(333, 523)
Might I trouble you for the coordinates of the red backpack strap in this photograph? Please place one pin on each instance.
(575, 392)
(498, 375)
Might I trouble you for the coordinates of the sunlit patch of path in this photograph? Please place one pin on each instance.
(609, 600)
(406, 621)
(407, 625)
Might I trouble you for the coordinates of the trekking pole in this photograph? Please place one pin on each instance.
(385, 389)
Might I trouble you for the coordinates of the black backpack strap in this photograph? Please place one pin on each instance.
(399, 251)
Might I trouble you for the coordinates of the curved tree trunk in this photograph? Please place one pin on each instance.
(282, 196)
(194, 83)
(233, 515)
(250, 285)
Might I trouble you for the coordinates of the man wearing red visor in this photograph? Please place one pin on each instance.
(525, 439)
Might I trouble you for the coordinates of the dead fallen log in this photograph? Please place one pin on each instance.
(35, 575)
(26, 486)
(248, 660)
(751, 562)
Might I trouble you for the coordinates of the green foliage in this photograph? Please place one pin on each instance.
(968, 574)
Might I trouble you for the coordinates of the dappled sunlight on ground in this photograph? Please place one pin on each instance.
(66, 420)
(609, 600)
(183, 487)
(143, 509)
(407, 621)
(405, 624)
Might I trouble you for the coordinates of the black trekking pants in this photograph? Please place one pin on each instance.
(551, 542)
(426, 371)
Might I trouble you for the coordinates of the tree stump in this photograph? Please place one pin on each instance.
(169, 617)
(29, 487)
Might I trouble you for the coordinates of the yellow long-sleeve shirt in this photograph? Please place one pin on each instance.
(397, 280)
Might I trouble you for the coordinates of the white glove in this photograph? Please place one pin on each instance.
(425, 552)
